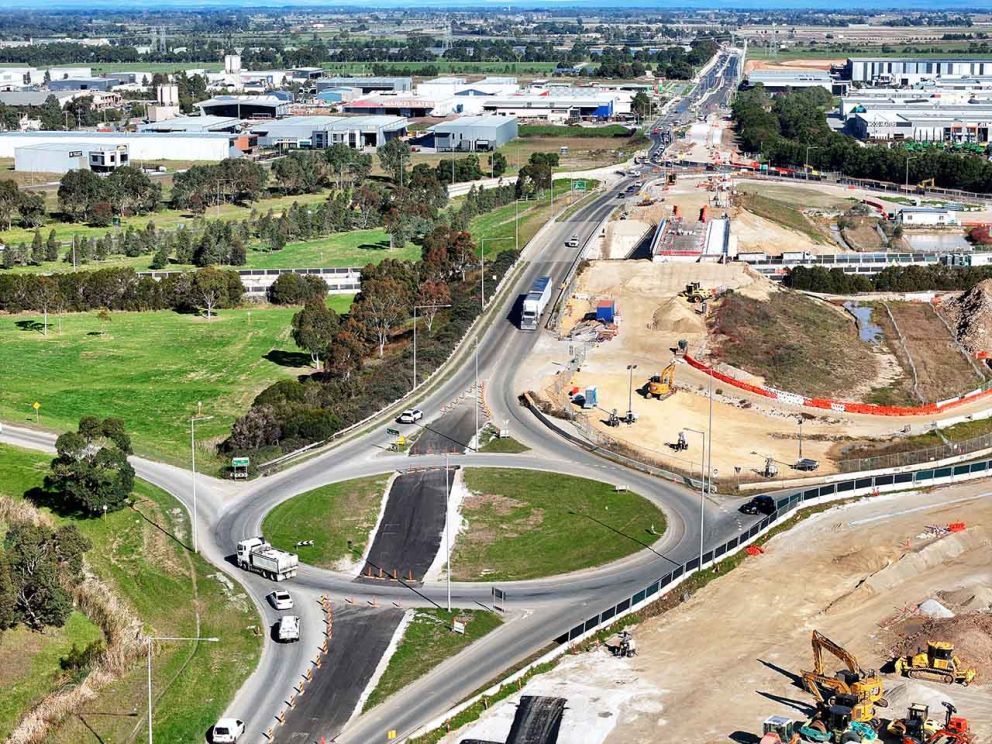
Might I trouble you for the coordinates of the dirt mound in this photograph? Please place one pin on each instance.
(971, 635)
(970, 315)
(674, 317)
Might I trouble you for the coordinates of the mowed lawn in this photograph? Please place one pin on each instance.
(139, 552)
(348, 249)
(524, 524)
(151, 369)
(331, 516)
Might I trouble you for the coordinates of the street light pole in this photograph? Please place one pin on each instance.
(630, 393)
(148, 647)
(702, 491)
(447, 530)
(192, 457)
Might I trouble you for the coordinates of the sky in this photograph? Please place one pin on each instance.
(946, 5)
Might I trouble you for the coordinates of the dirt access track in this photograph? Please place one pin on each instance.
(711, 669)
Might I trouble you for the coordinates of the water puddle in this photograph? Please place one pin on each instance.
(867, 330)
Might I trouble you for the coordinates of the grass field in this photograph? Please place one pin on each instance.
(444, 66)
(29, 664)
(796, 343)
(155, 66)
(615, 131)
(151, 369)
(331, 516)
(490, 442)
(356, 248)
(138, 552)
(427, 642)
(785, 214)
(524, 524)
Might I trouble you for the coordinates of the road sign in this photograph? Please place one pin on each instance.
(579, 186)
(36, 405)
(391, 734)
(499, 597)
(401, 442)
(240, 462)
(458, 627)
(393, 432)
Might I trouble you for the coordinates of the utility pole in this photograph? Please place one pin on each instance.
(477, 393)
(447, 530)
(192, 456)
(702, 491)
(630, 394)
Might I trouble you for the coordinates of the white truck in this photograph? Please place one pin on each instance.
(255, 554)
(534, 303)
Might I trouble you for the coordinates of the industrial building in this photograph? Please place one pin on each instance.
(782, 81)
(34, 97)
(83, 83)
(318, 132)
(406, 105)
(62, 157)
(194, 124)
(552, 108)
(206, 146)
(474, 133)
(954, 125)
(245, 107)
(912, 70)
(927, 217)
(367, 84)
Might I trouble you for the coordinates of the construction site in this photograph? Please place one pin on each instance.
(884, 635)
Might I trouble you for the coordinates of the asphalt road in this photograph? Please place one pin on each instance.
(537, 720)
(537, 610)
(409, 534)
(359, 637)
(450, 433)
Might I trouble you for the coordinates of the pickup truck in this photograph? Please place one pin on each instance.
(288, 629)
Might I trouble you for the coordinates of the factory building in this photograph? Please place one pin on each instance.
(552, 108)
(206, 146)
(34, 97)
(83, 83)
(367, 84)
(62, 157)
(912, 70)
(475, 133)
(406, 105)
(782, 81)
(927, 217)
(245, 107)
(194, 124)
(954, 125)
(319, 132)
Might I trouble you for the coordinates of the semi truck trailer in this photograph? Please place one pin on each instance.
(255, 554)
(534, 303)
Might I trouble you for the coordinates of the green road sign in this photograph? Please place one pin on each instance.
(239, 462)
(579, 186)
(394, 432)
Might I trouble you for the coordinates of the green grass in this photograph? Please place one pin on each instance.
(784, 214)
(149, 368)
(491, 443)
(524, 524)
(137, 552)
(356, 248)
(427, 642)
(331, 516)
(553, 130)
(29, 664)
(155, 66)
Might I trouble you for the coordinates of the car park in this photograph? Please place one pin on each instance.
(410, 416)
(227, 731)
(759, 505)
(281, 600)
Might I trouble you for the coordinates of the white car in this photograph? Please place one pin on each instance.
(410, 416)
(281, 600)
(288, 629)
(228, 731)
(573, 242)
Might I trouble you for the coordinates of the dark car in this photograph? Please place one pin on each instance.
(759, 505)
(806, 464)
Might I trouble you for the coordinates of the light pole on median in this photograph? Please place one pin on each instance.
(447, 531)
(702, 490)
(630, 394)
(415, 308)
(192, 457)
(148, 646)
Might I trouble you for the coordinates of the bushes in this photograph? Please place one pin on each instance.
(297, 289)
(892, 279)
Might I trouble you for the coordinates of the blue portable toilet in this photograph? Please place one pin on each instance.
(590, 398)
(606, 311)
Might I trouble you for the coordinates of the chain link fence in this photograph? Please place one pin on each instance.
(916, 456)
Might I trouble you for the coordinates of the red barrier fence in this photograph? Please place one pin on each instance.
(837, 405)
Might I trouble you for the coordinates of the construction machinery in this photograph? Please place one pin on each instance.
(693, 293)
(663, 385)
(937, 663)
(956, 729)
(864, 685)
(916, 727)
(928, 183)
(779, 730)
(833, 723)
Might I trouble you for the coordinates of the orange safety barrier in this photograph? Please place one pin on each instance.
(837, 405)
(956, 527)
(753, 550)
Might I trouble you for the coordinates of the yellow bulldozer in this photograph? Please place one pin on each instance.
(863, 687)
(663, 385)
(938, 663)
(694, 293)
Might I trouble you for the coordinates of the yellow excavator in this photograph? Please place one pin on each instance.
(863, 687)
(663, 385)
(938, 663)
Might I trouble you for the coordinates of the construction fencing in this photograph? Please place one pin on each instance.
(786, 505)
(916, 456)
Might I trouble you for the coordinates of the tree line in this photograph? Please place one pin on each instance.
(791, 130)
(892, 279)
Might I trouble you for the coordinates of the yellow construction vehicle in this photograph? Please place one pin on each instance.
(929, 183)
(663, 385)
(863, 687)
(693, 293)
(938, 663)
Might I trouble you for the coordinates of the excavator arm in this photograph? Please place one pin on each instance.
(821, 642)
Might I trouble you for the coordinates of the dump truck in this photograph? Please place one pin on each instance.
(258, 556)
(938, 663)
(534, 303)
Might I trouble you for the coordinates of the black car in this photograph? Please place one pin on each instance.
(759, 505)
(806, 464)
